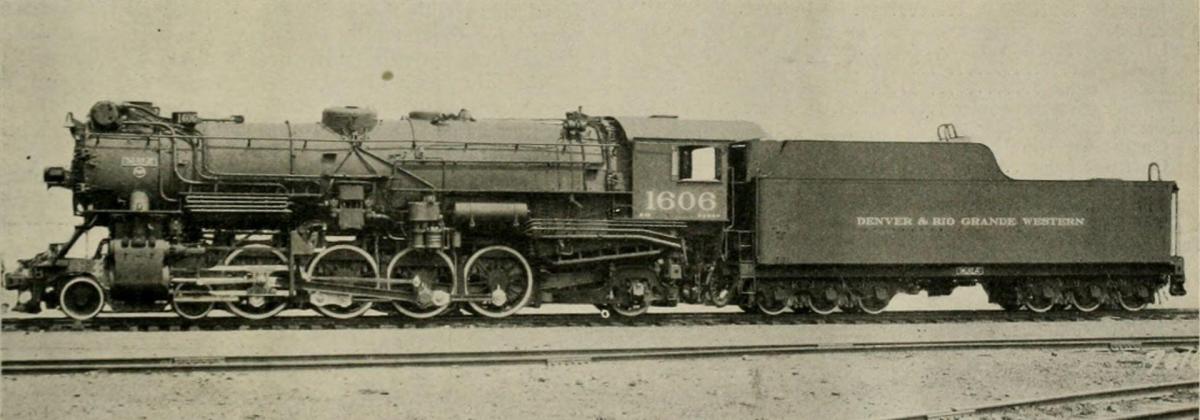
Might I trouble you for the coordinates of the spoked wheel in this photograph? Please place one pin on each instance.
(825, 301)
(465, 309)
(436, 271)
(342, 261)
(1133, 297)
(630, 293)
(192, 310)
(1087, 297)
(81, 298)
(502, 273)
(718, 288)
(256, 307)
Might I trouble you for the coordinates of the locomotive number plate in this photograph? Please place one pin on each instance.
(968, 271)
(139, 161)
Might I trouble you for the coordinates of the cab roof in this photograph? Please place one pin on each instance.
(671, 128)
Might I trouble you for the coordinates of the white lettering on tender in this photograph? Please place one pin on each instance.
(885, 221)
(972, 221)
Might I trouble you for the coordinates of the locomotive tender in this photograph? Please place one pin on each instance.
(438, 211)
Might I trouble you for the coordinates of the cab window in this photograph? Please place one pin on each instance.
(696, 163)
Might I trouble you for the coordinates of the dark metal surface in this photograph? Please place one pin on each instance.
(873, 160)
(896, 222)
(688, 129)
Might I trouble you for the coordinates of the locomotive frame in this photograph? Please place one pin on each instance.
(439, 211)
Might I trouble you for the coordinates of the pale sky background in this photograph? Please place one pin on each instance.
(1058, 89)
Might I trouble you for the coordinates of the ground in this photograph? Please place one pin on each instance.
(842, 385)
(863, 385)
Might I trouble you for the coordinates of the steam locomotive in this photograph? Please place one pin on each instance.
(438, 212)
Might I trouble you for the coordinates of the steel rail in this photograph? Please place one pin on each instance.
(1057, 399)
(552, 357)
(1183, 412)
(168, 322)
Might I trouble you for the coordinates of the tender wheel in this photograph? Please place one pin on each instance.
(343, 261)
(256, 307)
(502, 273)
(81, 298)
(1133, 297)
(1087, 297)
(191, 310)
(874, 299)
(872, 305)
(1038, 299)
(825, 302)
(435, 268)
(769, 304)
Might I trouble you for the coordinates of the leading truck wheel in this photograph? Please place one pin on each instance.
(502, 273)
(81, 298)
(191, 310)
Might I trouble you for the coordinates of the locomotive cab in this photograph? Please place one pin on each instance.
(681, 167)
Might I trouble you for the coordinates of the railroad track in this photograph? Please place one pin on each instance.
(1153, 401)
(551, 357)
(171, 323)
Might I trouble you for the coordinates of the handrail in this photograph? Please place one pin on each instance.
(515, 145)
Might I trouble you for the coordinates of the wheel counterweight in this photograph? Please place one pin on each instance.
(256, 308)
(434, 268)
(341, 261)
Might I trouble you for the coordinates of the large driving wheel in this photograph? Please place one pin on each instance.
(342, 261)
(436, 271)
(502, 273)
(256, 307)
